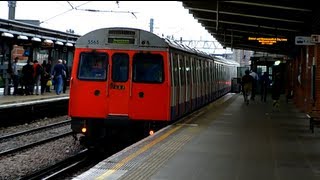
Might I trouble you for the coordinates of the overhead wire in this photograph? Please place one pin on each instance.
(72, 8)
(95, 10)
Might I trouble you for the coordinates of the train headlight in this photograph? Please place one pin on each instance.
(84, 130)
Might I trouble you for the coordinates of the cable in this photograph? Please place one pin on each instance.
(70, 4)
(95, 10)
(64, 12)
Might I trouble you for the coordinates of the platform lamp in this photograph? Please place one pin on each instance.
(35, 39)
(6, 34)
(59, 43)
(21, 37)
(48, 41)
(69, 44)
(276, 63)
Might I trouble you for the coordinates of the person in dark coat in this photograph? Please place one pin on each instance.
(265, 82)
(28, 79)
(66, 76)
(45, 76)
(246, 82)
(57, 75)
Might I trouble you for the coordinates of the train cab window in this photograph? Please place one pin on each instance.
(148, 68)
(93, 66)
(120, 67)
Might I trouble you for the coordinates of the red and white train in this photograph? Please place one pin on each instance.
(127, 76)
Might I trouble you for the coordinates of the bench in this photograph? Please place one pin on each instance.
(314, 119)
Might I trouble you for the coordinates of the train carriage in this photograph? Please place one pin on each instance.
(125, 76)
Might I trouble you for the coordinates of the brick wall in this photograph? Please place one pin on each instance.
(17, 51)
(317, 80)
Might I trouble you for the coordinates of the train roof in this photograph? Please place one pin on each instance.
(224, 60)
(133, 38)
(116, 37)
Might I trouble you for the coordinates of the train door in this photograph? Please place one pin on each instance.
(201, 82)
(193, 84)
(206, 82)
(198, 94)
(182, 84)
(119, 86)
(210, 80)
(150, 88)
(188, 84)
(176, 84)
(172, 88)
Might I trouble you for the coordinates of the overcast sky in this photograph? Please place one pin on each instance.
(170, 17)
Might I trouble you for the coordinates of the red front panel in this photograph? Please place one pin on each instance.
(130, 87)
(119, 83)
(87, 97)
(151, 101)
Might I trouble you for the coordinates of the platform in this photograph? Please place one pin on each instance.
(228, 140)
(9, 101)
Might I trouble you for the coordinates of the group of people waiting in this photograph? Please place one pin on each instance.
(250, 82)
(36, 78)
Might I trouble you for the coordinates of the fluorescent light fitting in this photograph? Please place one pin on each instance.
(69, 44)
(59, 43)
(36, 39)
(22, 37)
(5, 34)
(48, 41)
(276, 63)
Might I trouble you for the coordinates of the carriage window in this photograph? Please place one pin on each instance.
(93, 66)
(148, 68)
(120, 67)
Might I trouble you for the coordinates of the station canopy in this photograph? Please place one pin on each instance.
(261, 26)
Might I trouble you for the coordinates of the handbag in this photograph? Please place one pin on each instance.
(49, 83)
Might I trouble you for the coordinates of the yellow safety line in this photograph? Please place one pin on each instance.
(141, 150)
(145, 148)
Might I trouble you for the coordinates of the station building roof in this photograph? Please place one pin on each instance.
(239, 24)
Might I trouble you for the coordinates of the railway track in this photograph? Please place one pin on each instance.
(33, 130)
(18, 146)
(72, 163)
(30, 145)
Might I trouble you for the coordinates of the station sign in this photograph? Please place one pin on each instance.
(303, 40)
(267, 40)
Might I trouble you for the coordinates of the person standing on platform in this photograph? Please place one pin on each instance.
(247, 82)
(254, 85)
(15, 76)
(37, 75)
(48, 67)
(265, 82)
(45, 76)
(66, 76)
(28, 80)
(57, 74)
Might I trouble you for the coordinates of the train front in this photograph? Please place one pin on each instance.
(119, 80)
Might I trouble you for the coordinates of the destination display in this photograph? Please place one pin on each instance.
(266, 41)
(120, 41)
